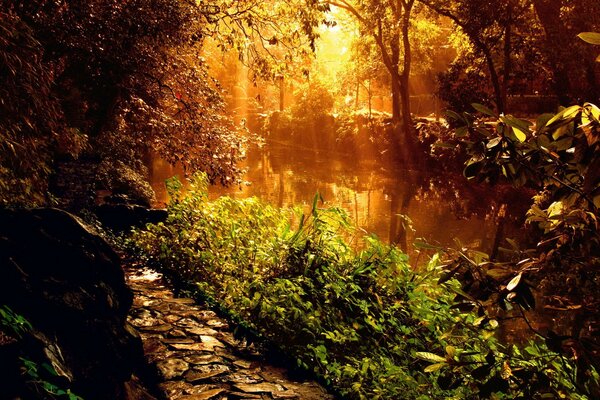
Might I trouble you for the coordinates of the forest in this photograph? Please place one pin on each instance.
(384, 199)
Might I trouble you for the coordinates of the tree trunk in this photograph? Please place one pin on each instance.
(281, 94)
(396, 78)
(507, 58)
(396, 98)
(407, 124)
(548, 13)
(487, 54)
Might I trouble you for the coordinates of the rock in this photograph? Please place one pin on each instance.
(202, 359)
(286, 394)
(204, 372)
(207, 395)
(172, 368)
(244, 377)
(191, 346)
(121, 217)
(264, 387)
(245, 364)
(68, 282)
(161, 328)
(174, 389)
(202, 331)
(182, 340)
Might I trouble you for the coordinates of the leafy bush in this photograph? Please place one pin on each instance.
(314, 101)
(361, 319)
(463, 84)
(41, 379)
(559, 159)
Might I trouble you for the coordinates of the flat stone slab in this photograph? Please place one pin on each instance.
(203, 359)
(205, 372)
(172, 368)
(196, 354)
(157, 328)
(264, 387)
(207, 395)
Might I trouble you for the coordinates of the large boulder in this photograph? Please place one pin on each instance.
(123, 217)
(68, 283)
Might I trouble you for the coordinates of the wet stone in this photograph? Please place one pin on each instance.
(153, 345)
(172, 318)
(201, 388)
(161, 328)
(240, 377)
(198, 358)
(180, 300)
(221, 352)
(172, 368)
(176, 333)
(185, 340)
(215, 323)
(206, 395)
(287, 394)
(173, 389)
(206, 315)
(211, 341)
(228, 338)
(188, 323)
(264, 387)
(245, 364)
(202, 359)
(204, 372)
(203, 330)
(198, 346)
(243, 396)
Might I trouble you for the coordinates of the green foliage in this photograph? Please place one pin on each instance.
(462, 84)
(558, 156)
(592, 38)
(352, 311)
(314, 102)
(13, 324)
(41, 377)
(28, 115)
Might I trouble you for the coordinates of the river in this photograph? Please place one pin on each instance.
(399, 205)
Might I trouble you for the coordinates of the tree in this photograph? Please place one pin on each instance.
(124, 78)
(568, 59)
(490, 27)
(29, 116)
(388, 23)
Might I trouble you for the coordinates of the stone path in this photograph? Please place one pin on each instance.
(196, 354)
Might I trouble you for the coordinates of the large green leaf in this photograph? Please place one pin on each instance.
(590, 37)
(565, 114)
(483, 109)
(423, 355)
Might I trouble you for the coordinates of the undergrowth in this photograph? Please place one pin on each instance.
(362, 320)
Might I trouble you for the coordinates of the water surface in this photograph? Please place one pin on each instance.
(398, 204)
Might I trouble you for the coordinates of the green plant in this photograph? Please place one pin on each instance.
(558, 156)
(349, 309)
(41, 377)
(591, 38)
(13, 324)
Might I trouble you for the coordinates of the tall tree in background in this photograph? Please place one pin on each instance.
(388, 22)
(29, 116)
(126, 78)
(575, 74)
(490, 27)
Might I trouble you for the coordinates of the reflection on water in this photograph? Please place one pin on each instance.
(398, 205)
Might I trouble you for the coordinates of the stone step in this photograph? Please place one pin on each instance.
(195, 353)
